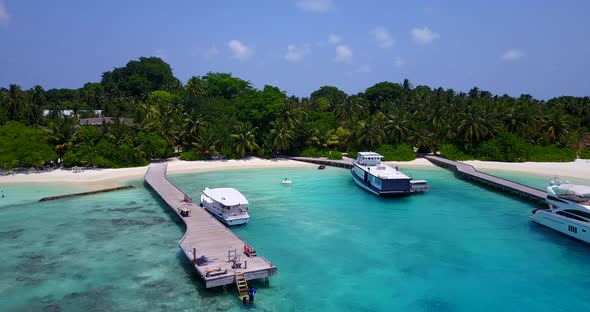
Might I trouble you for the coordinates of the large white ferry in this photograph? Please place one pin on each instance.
(226, 204)
(369, 173)
(568, 210)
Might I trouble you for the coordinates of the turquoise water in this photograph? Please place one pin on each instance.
(459, 247)
(534, 180)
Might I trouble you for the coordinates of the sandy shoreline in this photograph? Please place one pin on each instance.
(100, 178)
(579, 169)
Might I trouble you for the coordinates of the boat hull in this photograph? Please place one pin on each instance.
(572, 228)
(232, 221)
(388, 194)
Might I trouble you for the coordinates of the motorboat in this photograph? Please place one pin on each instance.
(370, 174)
(567, 211)
(321, 167)
(226, 204)
(286, 181)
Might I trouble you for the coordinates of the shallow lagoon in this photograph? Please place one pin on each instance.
(459, 247)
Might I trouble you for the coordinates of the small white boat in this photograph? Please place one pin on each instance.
(568, 210)
(286, 181)
(226, 204)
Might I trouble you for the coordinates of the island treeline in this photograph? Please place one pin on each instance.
(155, 115)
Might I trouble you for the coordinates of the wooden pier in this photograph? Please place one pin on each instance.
(214, 251)
(344, 163)
(469, 172)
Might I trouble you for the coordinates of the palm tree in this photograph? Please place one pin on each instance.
(193, 125)
(245, 139)
(168, 124)
(312, 137)
(54, 110)
(206, 144)
(61, 130)
(15, 101)
(398, 126)
(351, 109)
(281, 135)
(146, 114)
(331, 139)
(424, 140)
(554, 126)
(37, 95)
(196, 87)
(370, 132)
(119, 133)
(472, 126)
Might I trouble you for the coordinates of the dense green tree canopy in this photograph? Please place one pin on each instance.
(21, 146)
(140, 77)
(219, 114)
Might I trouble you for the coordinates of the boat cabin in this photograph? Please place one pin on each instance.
(368, 158)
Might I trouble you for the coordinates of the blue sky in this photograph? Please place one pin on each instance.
(537, 47)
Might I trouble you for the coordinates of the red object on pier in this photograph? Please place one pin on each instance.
(187, 199)
(249, 251)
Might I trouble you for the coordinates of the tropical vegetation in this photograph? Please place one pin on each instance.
(156, 115)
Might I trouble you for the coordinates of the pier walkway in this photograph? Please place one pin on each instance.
(344, 163)
(222, 250)
(469, 172)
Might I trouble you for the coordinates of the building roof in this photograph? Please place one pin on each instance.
(69, 112)
(98, 121)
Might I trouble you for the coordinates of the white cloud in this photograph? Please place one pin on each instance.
(211, 52)
(239, 50)
(4, 17)
(343, 54)
(315, 5)
(334, 39)
(382, 37)
(424, 35)
(513, 55)
(295, 54)
(399, 62)
(365, 68)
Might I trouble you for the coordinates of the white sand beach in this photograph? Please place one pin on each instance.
(579, 169)
(100, 178)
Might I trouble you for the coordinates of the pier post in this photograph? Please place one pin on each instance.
(245, 264)
(195, 255)
(266, 280)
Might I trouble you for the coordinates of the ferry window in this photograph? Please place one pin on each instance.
(579, 213)
(572, 228)
(571, 216)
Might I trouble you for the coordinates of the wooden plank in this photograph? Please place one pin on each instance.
(207, 235)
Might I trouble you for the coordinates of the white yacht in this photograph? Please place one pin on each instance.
(226, 204)
(369, 173)
(568, 210)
